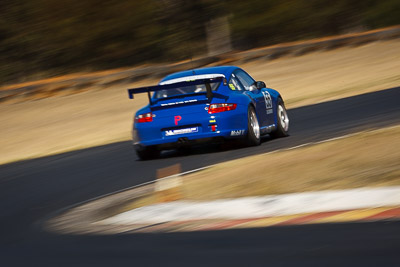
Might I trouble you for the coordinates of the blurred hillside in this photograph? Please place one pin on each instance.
(43, 38)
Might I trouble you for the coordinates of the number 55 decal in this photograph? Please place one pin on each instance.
(268, 102)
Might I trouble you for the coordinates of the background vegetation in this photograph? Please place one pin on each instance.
(41, 38)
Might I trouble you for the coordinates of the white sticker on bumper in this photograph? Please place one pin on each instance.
(182, 131)
(237, 133)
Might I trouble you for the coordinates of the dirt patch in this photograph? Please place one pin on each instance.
(64, 123)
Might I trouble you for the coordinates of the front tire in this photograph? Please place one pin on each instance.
(282, 129)
(253, 133)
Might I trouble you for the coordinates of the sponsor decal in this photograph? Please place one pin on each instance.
(268, 101)
(237, 133)
(180, 102)
(212, 121)
(177, 119)
(232, 86)
(181, 131)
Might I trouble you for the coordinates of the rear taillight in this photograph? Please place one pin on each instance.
(146, 117)
(216, 108)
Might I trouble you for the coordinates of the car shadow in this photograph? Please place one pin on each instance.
(227, 145)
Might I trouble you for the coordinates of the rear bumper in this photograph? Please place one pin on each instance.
(193, 128)
(191, 139)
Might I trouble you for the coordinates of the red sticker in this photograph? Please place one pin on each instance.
(177, 119)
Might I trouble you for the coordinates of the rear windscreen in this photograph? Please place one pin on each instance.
(191, 89)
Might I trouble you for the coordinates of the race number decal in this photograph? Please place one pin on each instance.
(268, 102)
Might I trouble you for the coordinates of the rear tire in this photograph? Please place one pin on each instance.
(253, 134)
(148, 153)
(282, 128)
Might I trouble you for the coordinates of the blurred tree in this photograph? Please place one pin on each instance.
(381, 13)
(40, 38)
(218, 32)
(193, 22)
(183, 29)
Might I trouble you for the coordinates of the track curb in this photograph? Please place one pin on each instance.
(342, 216)
(91, 217)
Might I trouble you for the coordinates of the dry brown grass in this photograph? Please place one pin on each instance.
(329, 75)
(64, 123)
(366, 159)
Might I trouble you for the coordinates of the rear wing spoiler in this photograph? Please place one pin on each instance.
(156, 88)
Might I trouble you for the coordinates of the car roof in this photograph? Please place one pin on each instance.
(225, 70)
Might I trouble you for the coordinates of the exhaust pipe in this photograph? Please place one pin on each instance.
(183, 140)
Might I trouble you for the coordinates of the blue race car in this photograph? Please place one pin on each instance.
(206, 105)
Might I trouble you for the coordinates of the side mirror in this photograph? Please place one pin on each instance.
(253, 87)
(260, 85)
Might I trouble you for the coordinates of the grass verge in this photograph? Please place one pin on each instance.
(364, 159)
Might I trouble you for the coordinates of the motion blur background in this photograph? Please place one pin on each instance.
(44, 38)
(65, 140)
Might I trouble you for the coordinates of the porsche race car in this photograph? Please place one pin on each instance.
(206, 105)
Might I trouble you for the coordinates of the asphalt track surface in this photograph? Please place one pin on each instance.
(30, 191)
